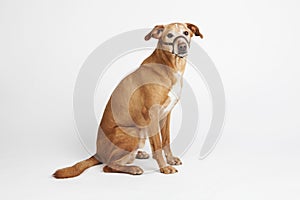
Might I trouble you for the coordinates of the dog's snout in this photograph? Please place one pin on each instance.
(182, 46)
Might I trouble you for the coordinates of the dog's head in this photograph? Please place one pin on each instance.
(175, 37)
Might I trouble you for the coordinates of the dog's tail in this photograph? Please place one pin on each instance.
(77, 169)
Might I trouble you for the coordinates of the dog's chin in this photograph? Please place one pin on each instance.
(182, 55)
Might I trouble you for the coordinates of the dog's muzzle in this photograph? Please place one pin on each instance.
(182, 47)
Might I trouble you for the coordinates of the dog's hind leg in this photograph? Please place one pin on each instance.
(120, 166)
(116, 168)
(123, 144)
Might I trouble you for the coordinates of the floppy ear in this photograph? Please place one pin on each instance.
(194, 29)
(155, 33)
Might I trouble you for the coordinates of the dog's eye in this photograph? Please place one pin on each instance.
(186, 33)
(170, 35)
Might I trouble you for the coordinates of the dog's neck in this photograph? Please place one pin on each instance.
(166, 58)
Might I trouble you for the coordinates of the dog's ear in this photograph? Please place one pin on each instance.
(155, 33)
(194, 29)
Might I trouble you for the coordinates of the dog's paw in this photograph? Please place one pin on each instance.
(135, 170)
(168, 170)
(174, 161)
(142, 155)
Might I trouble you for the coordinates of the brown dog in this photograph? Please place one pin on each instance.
(140, 107)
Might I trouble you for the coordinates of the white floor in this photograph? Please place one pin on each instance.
(228, 173)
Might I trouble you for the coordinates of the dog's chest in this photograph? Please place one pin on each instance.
(173, 95)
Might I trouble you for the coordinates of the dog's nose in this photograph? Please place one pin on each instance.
(182, 47)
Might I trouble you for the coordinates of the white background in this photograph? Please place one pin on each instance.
(255, 46)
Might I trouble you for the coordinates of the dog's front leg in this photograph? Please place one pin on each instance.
(155, 141)
(157, 155)
(156, 147)
(165, 136)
